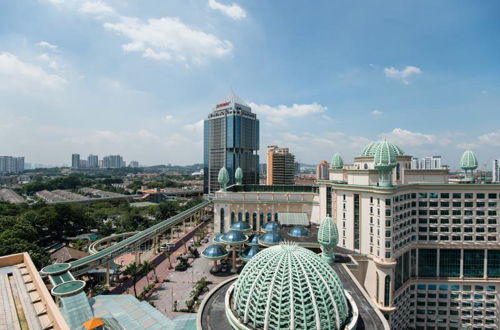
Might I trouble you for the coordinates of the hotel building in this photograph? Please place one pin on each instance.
(426, 250)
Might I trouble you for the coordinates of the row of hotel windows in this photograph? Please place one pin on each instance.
(450, 265)
(433, 195)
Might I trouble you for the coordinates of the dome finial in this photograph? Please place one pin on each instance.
(223, 178)
(328, 237)
(337, 162)
(469, 162)
(238, 176)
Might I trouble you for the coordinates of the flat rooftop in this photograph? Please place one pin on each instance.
(25, 302)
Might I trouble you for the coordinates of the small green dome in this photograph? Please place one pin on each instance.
(328, 234)
(223, 177)
(289, 287)
(369, 150)
(468, 161)
(385, 156)
(337, 161)
(238, 176)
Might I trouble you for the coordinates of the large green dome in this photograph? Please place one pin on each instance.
(337, 161)
(369, 150)
(289, 287)
(468, 161)
(385, 156)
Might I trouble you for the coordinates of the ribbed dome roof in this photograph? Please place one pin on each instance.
(337, 161)
(328, 234)
(223, 177)
(271, 226)
(289, 287)
(238, 176)
(468, 161)
(270, 238)
(298, 231)
(241, 226)
(215, 251)
(370, 148)
(217, 238)
(249, 252)
(385, 156)
(234, 237)
(253, 240)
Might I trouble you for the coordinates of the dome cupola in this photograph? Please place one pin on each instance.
(469, 162)
(337, 162)
(328, 238)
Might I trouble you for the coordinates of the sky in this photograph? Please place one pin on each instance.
(137, 78)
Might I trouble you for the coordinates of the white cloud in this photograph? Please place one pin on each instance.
(45, 44)
(280, 113)
(95, 7)
(377, 112)
(407, 138)
(234, 11)
(169, 39)
(50, 62)
(403, 74)
(492, 138)
(195, 127)
(16, 71)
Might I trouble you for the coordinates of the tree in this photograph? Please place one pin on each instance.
(133, 270)
(148, 266)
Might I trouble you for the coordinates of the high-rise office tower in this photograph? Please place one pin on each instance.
(496, 170)
(75, 161)
(280, 166)
(231, 140)
(322, 170)
(93, 161)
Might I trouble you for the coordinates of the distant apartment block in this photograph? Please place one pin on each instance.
(280, 166)
(75, 161)
(496, 170)
(113, 161)
(9, 164)
(92, 161)
(322, 170)
(427, 163)
(133, 164)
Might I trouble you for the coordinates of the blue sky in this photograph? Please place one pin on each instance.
(138, 77)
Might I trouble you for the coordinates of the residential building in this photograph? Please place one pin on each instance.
(280, 166)
(427, 163)
(231, 140)
(496, 170)
(426, 248)
(9, 164)
(322, 170)
(113, 161)
(93, 161)
(75, 161)
(83, 163)
(134, 164)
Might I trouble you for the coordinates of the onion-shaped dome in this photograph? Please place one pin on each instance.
(298, 231)
(369, 150)
(238, 176)
(215, 251)
(270, 238)
(217, 238)
(468, 162)
(271, 226)
(249, 252)
(289, 287)
(385, 157)
(253, 240)
(223, 177)
(328, 234)
(241, 226)
(234, 237)
(337, 162)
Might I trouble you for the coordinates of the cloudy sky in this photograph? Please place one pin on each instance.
(137, 77)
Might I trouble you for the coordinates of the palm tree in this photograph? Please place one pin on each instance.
(134, 271)
(147, 267)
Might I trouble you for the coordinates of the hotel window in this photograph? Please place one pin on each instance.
(445, 195)
(492, 196)
(222, 220)
(480, 196)
(371, 199)
(457, 204)
(469, 196)
(356, 221)
(457, 195)
(449, 263)
(473, 263)
(427, 262)
(387, 289)
(493, 263)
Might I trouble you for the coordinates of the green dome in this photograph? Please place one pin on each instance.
(238, 176)
(369, 150)
(468, 161)
(328, 234)
(289, 287)
(337, 162)
(223, 178)
(385, 156)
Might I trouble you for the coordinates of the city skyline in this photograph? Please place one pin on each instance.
(89, 75)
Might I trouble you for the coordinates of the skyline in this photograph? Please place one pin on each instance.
(101, 77)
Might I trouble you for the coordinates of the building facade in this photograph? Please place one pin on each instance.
(9, 164)
(231, 140)
(75, 161)
(113, 161)
(280, 166)
(427, 163)
(93, 161)
(322, 170)
(427, 249)
(496, 171)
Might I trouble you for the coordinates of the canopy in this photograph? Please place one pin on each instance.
(93, 323)
(293, 219)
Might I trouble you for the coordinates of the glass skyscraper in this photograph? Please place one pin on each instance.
(231, 139)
